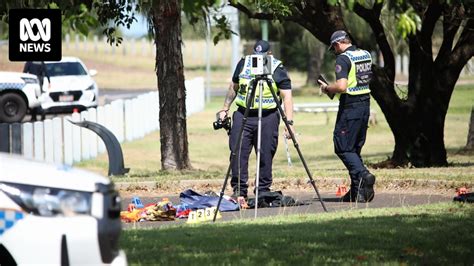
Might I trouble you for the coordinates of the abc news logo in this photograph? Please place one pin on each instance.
(35, 35)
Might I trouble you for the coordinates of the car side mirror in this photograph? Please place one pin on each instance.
(92, 72)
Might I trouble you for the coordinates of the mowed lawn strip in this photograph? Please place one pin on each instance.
(436, 234)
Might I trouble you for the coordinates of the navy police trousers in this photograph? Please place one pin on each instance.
(269, 143)
(350, 133)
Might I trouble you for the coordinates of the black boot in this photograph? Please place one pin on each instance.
(367, 186)
(354, 196)
(348, 197)
(351, 195)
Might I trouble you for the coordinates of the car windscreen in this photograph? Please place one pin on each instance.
(65, 69)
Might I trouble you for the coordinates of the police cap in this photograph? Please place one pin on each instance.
(337, 36)
(261, 47)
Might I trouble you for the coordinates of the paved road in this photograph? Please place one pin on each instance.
(386, 199)
(109, 95)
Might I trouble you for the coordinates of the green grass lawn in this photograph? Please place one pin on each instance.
(438, 234)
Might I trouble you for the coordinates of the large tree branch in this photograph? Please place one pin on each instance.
(262, 15)
(318, 17)
(462, 52)
(421, 54)
(416, 68)
(420, 47)
(429, 19)
(452, 19)
(372, 17)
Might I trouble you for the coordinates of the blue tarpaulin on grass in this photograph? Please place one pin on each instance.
(198, 201)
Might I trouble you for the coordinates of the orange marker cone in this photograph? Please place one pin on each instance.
(344, 190)
(341, 190)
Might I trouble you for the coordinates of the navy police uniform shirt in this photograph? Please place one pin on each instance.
(280, 76)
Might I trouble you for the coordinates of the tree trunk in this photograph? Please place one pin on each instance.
(172, 93)
(315, 61)
(470, 133)
(417, 122)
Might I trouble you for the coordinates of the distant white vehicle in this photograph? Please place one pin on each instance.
(71, 87)
(56, 215)
(19, 93)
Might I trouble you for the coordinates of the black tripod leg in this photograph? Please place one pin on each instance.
(237, 145)
(283, 116)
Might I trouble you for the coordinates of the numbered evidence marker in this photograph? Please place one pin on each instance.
(210, 213)
(203, 215)
(200, 215)
(196, 216)
(192, 217)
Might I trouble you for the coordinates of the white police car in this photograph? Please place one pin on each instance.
(72, 86)
(53, 214)
(19, 93)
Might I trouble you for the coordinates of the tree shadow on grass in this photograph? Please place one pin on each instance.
(441, 239)
(461, 164)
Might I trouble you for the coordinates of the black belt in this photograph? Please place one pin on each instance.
(346, 99)
(254, 112)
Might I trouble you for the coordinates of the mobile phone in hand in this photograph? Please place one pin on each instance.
(320, 77)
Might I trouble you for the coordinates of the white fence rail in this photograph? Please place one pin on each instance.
(59, 141)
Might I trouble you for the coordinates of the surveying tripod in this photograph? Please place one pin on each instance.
(250, 100)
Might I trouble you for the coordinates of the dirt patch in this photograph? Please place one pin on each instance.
(426, 187)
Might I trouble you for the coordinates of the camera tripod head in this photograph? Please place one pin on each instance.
(261, 65)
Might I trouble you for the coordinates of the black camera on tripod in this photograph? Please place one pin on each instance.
(225, 124)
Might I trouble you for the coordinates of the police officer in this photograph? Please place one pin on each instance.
(353, 74)
(37, 68)
(239, 91)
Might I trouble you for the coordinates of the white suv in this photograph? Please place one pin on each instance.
(52, 214)
(19, 93)
(71, 86)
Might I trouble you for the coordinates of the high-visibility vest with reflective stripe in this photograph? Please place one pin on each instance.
(246, 79)
(361, 72)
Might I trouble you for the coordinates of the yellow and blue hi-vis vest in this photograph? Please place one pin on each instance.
(361, 72)
(246, 79)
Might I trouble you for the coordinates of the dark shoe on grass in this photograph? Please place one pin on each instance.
(367, 191)
(348, 197)
(354, 197)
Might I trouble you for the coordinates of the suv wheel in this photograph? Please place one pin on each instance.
(12, 108)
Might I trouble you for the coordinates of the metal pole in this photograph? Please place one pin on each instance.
(235, 38)
(287, 151)
(259, 143)
(264, 25)
(208, 59)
